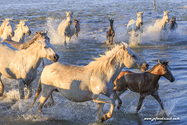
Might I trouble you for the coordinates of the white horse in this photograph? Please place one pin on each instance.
(22, 65)
(135, 25)
(160, 24)
(22, 29)
(66, 28)
(6, 29)
(91, 82)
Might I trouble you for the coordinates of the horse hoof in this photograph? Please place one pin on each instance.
(118, 107)
(47, 105)
(104, 118)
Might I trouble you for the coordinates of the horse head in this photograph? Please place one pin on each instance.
(41, 35)
(7, 27)
(48, 50)
(24, 26)
(111, 22)
(165, 70)
(69, 16)
(139, 18)
(76, 23)
(133, 60)
(165, 17)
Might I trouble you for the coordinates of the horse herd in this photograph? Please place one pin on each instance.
(96, 81)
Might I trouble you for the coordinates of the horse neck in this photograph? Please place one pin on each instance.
(155, 74)
(33, 52)
(19, 35)
(5, 35)
(137, 24)
(116, 71)
(111, 25)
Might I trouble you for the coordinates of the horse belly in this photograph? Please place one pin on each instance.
(76, 95)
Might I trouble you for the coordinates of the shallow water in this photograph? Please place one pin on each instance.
(151, 46)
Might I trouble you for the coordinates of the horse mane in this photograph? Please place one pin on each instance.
(153, 68)
(3, 25)
(106, 61)
(21, 22)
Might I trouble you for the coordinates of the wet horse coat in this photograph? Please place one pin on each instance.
(160, 24)
(144, 83)
(91, 82)
(111, 33)
(23, 64)
(77, 27)
(135, 25)
(66, 28)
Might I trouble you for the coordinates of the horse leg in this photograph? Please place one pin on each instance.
(1, 86)
(46, 92)
(112, 40)
(156, 96)
(142, 97)
(21, 88)
(29, 90)
(117, 97)
(104, 99)
(99, 110)
(51, 103)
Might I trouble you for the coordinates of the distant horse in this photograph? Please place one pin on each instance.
(135, 25)
(22, 29)
(25, 45)
(66, 28)
(111, 33)
(172, 24)
(160, 24)
(77, 27)
(91, 82)
(6, 29)
(22, 65)
(144, 83)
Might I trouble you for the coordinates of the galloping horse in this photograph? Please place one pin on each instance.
(111, 33)
(172, 24)
(22, 29)
(135, 25)
(160, 24)
(20, 46)
(77, 27)
(23, 64)
(91, 82)
(66, 28)
(6, 29)
(144, 83)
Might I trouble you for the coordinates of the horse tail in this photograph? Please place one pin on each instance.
(37, 92)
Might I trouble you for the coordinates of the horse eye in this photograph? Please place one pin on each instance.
(133, 55)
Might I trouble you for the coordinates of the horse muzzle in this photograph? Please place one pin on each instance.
(141, 23)
(29, 33)
(12, 34)
(55, 58)
(172, 79)
(144, 67)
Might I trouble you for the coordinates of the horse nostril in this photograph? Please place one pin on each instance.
(56, 57)
(147, 65)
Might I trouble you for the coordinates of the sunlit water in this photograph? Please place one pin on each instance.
(150, 45)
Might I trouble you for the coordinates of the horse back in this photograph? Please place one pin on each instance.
(131, 22)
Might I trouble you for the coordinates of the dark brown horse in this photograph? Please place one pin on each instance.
(110, 33)
(173, 25)
(144, 83)
(77, 27)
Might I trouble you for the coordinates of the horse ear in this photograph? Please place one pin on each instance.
(167, 61)
(124, 48)
(159, 62)
(36, 32)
